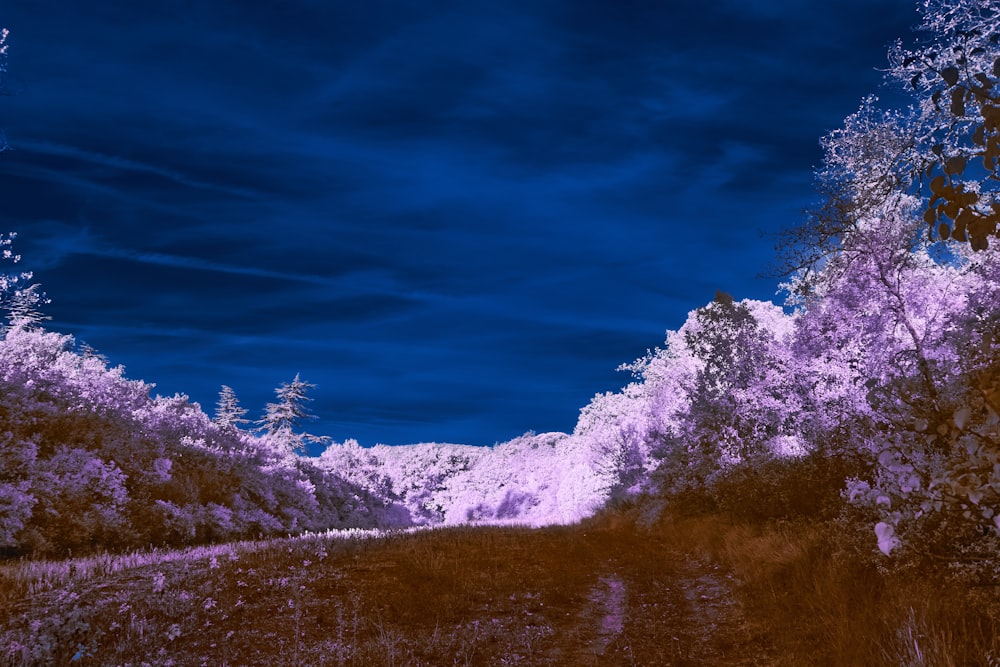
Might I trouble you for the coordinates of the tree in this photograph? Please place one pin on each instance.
(949, 142)
(282, 417)
(954, 76)
(10, 283)
(904, 319)
(728, 421)
(24, 307)
(229, 414)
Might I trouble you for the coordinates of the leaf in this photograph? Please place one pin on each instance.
(886, 534)
(914, 81)
(952, 208)
(930, 215)
(937, 149)
(966, 219)
(950, 75)
(969, 198)
(958, 103)
(979, 136)
(955, 165)
(985, 81)
(937, 184)
(991, 115)
(944, 231)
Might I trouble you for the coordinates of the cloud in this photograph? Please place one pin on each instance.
(125, 165)
(458, 218)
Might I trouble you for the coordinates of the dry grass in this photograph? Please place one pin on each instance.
(819, 605)
(611, 591)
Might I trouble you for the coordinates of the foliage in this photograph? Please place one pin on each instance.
(954, 75)
(89, 461)
(20, 300)
(533, 479)
(282, 417)
(228, 411)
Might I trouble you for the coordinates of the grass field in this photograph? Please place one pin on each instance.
(614, 590)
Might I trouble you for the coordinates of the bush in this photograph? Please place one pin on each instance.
(784, 488)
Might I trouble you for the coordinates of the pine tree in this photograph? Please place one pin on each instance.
(282, 417)
(24, 307)
(20, 299)
(229, 413)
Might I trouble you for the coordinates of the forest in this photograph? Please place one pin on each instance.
(865, 400)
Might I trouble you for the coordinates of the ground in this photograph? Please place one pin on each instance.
(615, 590)
(594, 594)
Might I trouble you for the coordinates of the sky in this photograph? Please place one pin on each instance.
(456, 219)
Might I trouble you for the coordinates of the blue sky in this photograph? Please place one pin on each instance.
(455, 218)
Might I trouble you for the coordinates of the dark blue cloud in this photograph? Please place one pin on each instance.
(456, 218)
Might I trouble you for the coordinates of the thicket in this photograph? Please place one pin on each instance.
(873, 396)
(92, 462)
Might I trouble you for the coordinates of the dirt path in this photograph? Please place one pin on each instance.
(714, 629)
(686, 614)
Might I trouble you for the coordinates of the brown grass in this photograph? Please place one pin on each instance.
(820, 605)
(611, 591)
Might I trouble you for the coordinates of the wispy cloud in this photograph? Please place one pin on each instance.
(127, 165)
(458, 217)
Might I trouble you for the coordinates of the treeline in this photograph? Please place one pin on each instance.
(535, 479)
(873, 397)
(90, 461)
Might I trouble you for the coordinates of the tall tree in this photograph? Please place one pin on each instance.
(228, 411)
(24, 307)
(10, 283)
(283, 416)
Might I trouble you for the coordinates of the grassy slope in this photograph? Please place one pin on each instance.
(681, 592)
